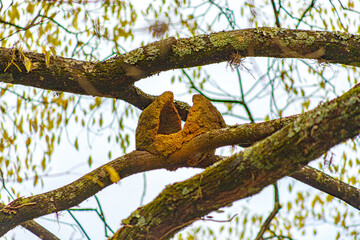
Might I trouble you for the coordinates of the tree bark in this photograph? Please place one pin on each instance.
(247, 172)
(329, 185)
(115, 77)
(39, 231)
(24, 209)
(135, 162)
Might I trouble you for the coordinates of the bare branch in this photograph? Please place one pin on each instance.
(330, 185)
(267, 222)
(38, 230)
(276, 14)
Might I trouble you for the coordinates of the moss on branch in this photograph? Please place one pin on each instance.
(115, 77)
(248, 172)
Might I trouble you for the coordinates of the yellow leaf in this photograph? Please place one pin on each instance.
(329, 198)
(98, 101)
(43, 164)
(28, 34)
(28, 141)
(114, 176)
(19, 179)
(337, 219)
(289, 206)
(51, 124)
(100, 121)
(5, 135)
(30, 7)
(76, 144)
(352, 180)
(18, 105)
(53, 51)
(47, 58)
(14, 14)
(58, 120)
(306, 104)
(27, 64)
(36, 179)
(300, 197)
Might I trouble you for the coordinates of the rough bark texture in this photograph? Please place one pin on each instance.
(39, 231)
(248, 172)
(115, 77)
(36, 228)
(284, 152)
(301, 140)
(135, 162)
(23, 209)
(332, 186)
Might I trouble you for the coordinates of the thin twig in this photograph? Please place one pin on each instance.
(267, 222)
(276, 13)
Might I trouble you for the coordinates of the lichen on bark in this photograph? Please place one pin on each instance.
(187, 46)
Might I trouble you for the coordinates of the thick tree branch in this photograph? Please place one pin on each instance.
(36, 228)
(135, 162)
(248, 172)
(74, 193)
(332, 186)
(115, 77)
(23, 209)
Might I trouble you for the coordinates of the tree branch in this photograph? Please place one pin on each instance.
(248, 172)
(115, 77)
(74, 193)
(276, 14)
(275, 210)
(137, 161)
(328, 184)
(38, 230)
